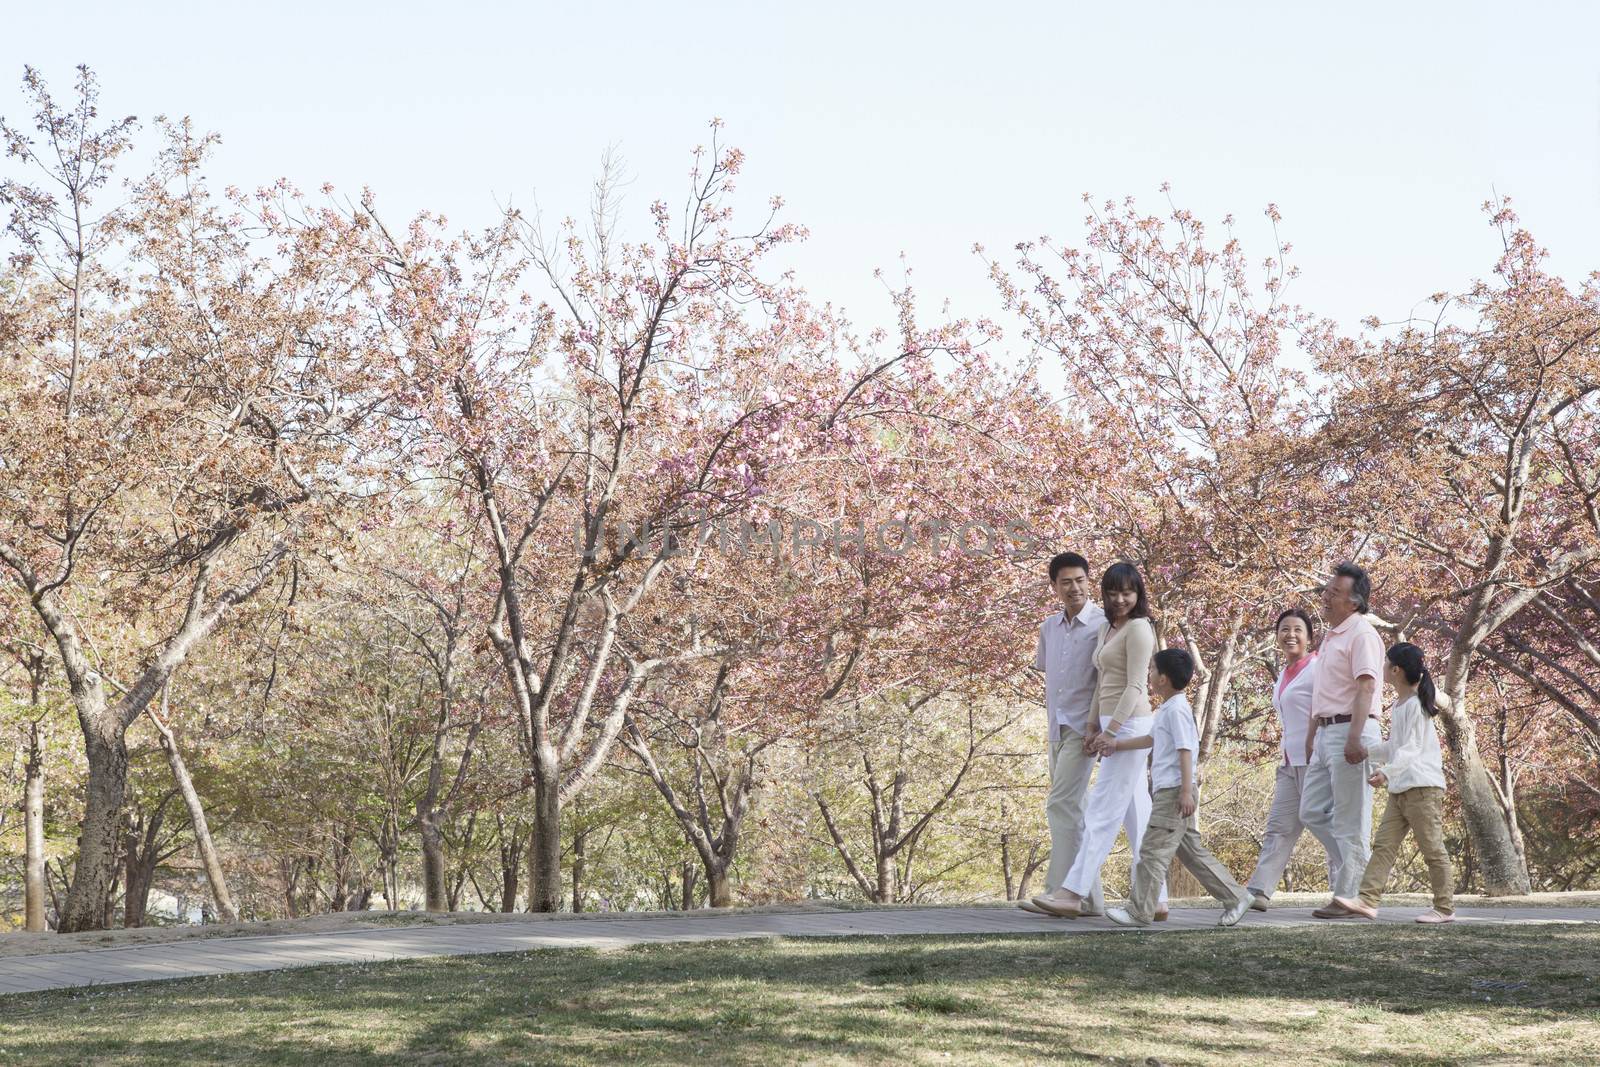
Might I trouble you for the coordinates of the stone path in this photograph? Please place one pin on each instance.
(230, 955)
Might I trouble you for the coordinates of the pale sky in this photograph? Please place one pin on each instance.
(920, 128)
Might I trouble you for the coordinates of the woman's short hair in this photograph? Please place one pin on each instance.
(1297, 613)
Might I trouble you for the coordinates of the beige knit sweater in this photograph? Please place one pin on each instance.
(1123, 659)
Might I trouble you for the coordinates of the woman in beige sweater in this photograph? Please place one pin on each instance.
(1121, 793)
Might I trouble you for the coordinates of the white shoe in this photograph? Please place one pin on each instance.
(1121, 917)
(1232, 916)
(1432, 917)
(1258, 901)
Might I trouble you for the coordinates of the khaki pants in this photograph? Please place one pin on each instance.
(1421, 811)
(1283, 832)
(1070, 769)
(1171, 835)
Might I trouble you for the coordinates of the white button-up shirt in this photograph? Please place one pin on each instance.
(1066, 656)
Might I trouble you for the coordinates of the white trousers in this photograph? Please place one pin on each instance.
(1283, 832)
(1336, 804)
(1120, 797)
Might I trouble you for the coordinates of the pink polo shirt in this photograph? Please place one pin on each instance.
(1349, 651)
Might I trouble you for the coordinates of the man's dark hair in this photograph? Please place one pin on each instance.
(1062, 560)
(1176, 665)
(1360, 584)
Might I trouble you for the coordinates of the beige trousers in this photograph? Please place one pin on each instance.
(1171, 835)
(1421, 811)
(1070, 770)
(1283, 832)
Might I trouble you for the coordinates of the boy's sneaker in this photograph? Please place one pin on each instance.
(1236, 911)
(1121, 917)
(1433, 916)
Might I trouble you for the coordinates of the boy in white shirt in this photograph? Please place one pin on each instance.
(1172, 830)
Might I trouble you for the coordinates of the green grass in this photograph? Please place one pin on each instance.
(1360, 995)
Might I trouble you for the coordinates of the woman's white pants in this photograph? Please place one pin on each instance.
(1119, 799)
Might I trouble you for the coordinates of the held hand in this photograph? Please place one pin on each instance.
(1186, 802)
(1091, 742)
(1378, 779)
(1353, 750)
(1106, 744)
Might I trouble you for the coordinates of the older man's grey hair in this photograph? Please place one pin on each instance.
(1360, 584)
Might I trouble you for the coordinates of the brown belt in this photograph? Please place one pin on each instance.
(1328, 720)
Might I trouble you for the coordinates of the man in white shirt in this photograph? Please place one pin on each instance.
(1066, 656)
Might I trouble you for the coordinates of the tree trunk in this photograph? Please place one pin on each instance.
(544, 850)
(577, 871)
(1035, 861)
(197, 821)
(1216, 692)
(510, 866)
(883, 892)
(139, 869)
(109, 916)
(33, 830)
(435, 893)
(719, 893)
(1504, 868)
(95, 872)
(690, 876)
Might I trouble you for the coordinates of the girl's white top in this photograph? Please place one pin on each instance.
(1411, 757)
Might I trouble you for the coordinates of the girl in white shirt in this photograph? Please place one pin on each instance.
(1413, 769)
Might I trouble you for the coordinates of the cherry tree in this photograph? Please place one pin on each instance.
(187, 402)
(1473, 439)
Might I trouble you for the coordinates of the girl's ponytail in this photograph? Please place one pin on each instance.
(1426, 694)
(1408, 658)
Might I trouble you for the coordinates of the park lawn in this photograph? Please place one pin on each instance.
(1327, 994)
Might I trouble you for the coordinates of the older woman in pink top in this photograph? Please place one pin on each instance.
(1291, 699)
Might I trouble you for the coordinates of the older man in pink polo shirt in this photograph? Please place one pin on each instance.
(1336, 802)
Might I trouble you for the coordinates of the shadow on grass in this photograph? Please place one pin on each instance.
(1385, 995)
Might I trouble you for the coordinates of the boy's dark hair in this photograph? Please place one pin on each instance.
(1177, 666)
(1062, 560)
(1360, 584)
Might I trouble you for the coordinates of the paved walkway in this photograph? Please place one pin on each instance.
(230, 955)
